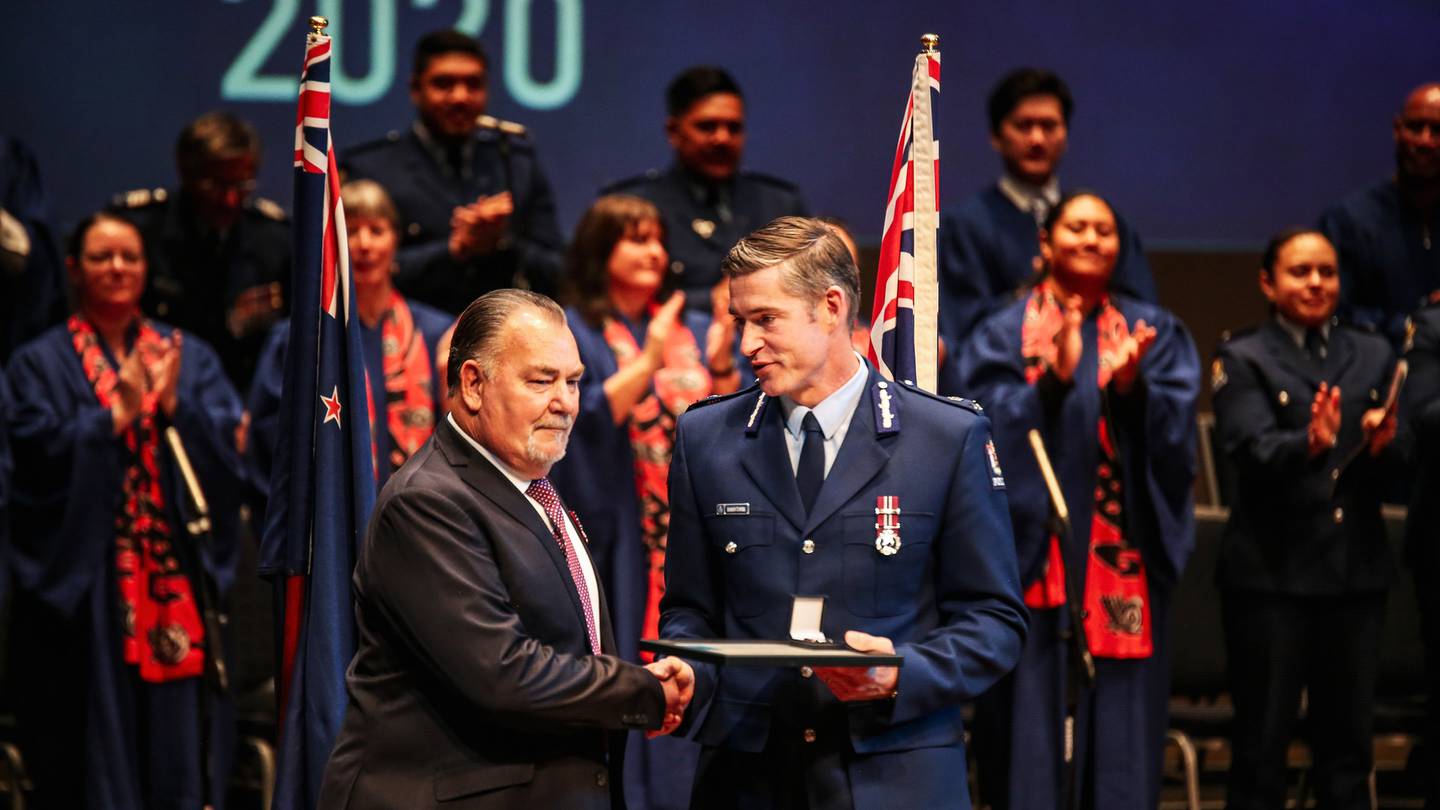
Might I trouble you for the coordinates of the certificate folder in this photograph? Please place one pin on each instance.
(753, 653)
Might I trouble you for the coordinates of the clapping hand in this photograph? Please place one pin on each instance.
(1132, 350)
(477, 228)
(1324, 419)
(678, 681)
(165, 379)
(860, 683)
(661, 325)
(1379, 425)
(129, 393)
(1068, 343)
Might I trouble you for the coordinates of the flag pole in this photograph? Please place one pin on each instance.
(927, 220)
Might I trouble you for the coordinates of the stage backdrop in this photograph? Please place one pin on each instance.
(1210, 124)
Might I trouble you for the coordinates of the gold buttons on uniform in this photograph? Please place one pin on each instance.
(809, 735)
(1339, 515)
(808, 546)
(1335, 474)
(1284, 398)
(730, 547)
(806, 672)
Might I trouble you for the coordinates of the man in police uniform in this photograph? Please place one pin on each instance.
(1388, 236)
(1422, 528)
(218, 256)
(707, 202)
(778, 490)
(476, 210)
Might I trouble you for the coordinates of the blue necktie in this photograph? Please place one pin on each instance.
(810, 473)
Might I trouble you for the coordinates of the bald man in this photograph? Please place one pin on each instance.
(1388, 236)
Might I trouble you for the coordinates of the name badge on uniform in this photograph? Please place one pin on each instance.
(887, 525)
(732, 508)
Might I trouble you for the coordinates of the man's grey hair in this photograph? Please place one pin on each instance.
(815, 259)
(482, 324)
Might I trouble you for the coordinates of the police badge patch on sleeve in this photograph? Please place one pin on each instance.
(997, 479)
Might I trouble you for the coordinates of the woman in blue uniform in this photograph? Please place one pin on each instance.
(1304, 565)
(110, 649)
(1110, 382)
(398, 338)
(646, 360)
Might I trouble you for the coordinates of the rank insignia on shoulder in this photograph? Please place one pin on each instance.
(140, 197)
(1218, 378)
(269, 209)
(997, 478)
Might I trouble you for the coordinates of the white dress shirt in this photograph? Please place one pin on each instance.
(833, 413)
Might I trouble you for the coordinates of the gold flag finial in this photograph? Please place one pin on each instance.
(318, 24)
(930, 43)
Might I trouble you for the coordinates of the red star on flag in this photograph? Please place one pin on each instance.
(332, 406)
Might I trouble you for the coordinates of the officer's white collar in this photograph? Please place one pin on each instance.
(1023, 195)
(1297, 332)
(832, 411)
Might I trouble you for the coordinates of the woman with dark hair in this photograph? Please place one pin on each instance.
(1304, 563)
(644, 365)
(398, 338)
(109, 650)
(1110, 383)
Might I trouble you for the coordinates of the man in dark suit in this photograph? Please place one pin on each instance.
(476, 211)
(485, 674)
(707, 201)
(828, 479)
(1304, 564)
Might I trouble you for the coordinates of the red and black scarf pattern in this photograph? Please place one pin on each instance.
(681, 381)
(1117, 592)
(409, 392)
(161, 630)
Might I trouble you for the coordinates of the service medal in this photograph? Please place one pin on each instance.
(887, 525)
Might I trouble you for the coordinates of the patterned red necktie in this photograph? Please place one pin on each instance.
(542, 491)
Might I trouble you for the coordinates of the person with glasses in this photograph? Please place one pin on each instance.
(219, 255)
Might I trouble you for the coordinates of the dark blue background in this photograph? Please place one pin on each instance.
(1210, 124)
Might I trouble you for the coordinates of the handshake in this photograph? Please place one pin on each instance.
(678, 681)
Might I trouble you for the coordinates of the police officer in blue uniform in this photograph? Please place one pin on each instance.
(1422, 527)
(1304, 563)
(827, 479)
(707, 201)
(219, 257)
(1388, 236)
(476, 210)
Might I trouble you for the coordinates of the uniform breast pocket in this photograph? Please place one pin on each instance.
(877, 584)
(744, 543)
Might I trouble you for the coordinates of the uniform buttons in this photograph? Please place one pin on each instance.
(808, 546)
(1284, 398)
(601, 779)
(1335, 474)
(1339, 515)
(809, 735)
(730, 547)
(806, 672)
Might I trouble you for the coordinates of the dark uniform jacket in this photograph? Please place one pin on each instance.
(473, 684)
(1422, 413)
(698, 231)
(1302, 526)
(741, 545)
(427, 191)
(196, 274)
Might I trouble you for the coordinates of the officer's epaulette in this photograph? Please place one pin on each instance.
(772, 180)
(139, 198)
(393, 136)
(1231, 334)
(959, 402)
(268, 208)
(714, 398)
(620, 186)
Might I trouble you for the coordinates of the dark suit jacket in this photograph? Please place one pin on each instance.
(472, 685)
(1302, 526)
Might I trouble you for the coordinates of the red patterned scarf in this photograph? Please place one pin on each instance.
(409, 397)
(1117, 592)
(681, 381)
(162, 633)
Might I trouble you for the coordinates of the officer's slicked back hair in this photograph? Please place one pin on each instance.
(1021, 84)
(482, 325)
(214, 136)
(695, 84)
(815, 259)
(439, 43)
(1278, 243)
